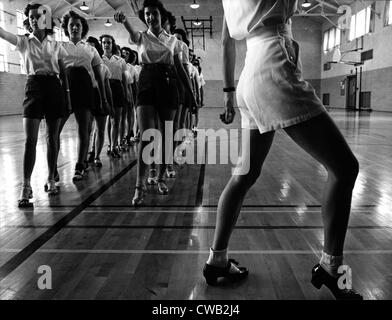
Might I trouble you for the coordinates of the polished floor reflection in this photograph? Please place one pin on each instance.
(99, 247)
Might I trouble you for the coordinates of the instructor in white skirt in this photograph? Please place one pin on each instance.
(272, 95)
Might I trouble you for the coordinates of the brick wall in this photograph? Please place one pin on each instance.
(11, 93)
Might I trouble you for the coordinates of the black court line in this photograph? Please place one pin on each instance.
(183, 227)
(25, 253)
(215, 206)
(200, 186)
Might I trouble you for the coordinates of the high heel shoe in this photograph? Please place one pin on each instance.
(321, 277)
(152, 177)
(170, 173)
(98, 162)
(138, 198)
(26, 195)
(51, 188)
(162, 187)
(212, 273)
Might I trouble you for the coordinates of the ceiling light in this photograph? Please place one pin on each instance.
(197, 22)
(306, 4)
(195, 5)
(108, 23)
(84, 7)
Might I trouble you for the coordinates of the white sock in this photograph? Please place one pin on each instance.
(218, 258)
(330, 263)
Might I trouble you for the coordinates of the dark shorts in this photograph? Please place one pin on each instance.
(97, 110)
(182, 92)
(81, 87)
(44, 98)
(158, 86)
(117, 93)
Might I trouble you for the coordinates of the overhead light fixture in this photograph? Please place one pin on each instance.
(84, 7)
(108, 23)
(306, 4)
(195, 5)
(197, 22)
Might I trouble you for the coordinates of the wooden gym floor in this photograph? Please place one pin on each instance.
(99, 247)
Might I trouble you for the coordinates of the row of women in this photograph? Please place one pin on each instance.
(90, 79)
(279, 98)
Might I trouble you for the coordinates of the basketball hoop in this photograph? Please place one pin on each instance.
(336, 55)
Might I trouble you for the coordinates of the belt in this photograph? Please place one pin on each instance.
(274, 21)
(159, 66)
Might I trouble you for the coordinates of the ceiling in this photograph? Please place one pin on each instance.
(104, 9)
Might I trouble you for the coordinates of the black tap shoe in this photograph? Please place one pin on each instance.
(212, 273)
(321, 277)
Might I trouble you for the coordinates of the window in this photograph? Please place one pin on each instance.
(19, 22)
(3, 43)
(59, 35)
(367, 55)
(331, 39)
(388, 13)
(360, 23)
(326, 99)
(21, 31)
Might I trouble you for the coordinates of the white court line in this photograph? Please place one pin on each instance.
(208, 211)
(110, 251)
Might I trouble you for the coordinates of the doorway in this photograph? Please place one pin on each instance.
(351, 102)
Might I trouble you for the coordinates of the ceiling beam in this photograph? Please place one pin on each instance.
(77, 10)
(326, 4)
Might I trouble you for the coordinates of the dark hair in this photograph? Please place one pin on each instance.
(26, 22)
(135, 57)
(183, 35)
(156, 4)
(97, 45)
(172, 20)
(72, 14)
(129, 51)
(114, 45)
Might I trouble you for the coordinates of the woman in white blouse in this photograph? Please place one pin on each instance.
(83, 68)
(272, 95)
(157, 91)
(44, 96)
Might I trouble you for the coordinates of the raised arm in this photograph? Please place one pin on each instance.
(8, 36)
(229, 59)
(121, 18)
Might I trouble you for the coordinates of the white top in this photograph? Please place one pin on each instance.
(116, 65)
(106, 72)
(184, 55)
(40, 58)
(161, 49)
(131, 74)
(138, 69)
(244, 16)
(202, 81)
(82, 55)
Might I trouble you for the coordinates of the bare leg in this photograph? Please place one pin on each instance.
(233, 195)
(109, 130)
(52, 134)
(83, 118)
(115, 124)
(31, 129)
(164, 115)
(322, 139)
(99, 133)
(146, 120)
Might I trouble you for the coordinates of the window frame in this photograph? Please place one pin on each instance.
(355, 32)
(337, 38)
